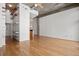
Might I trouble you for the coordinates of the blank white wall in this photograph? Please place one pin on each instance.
(64, 25)
(34, 24)
(2, 25)
(8, 17)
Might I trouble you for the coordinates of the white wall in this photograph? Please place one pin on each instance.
(34, 24)
(2, 25)
(24, 20)
(64, 25)
(8, 17)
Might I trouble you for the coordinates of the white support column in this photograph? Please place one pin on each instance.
(24, 22)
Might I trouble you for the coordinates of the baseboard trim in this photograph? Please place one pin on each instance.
(60, 38)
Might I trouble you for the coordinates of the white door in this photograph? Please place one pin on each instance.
(2, 24)
(24, 22)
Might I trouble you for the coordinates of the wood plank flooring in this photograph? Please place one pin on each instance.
(41, 46)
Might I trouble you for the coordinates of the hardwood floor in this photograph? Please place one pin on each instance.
(41, 46)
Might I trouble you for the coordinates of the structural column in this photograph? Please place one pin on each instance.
(24, 21)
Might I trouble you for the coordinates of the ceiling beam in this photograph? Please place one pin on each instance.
(60, 9)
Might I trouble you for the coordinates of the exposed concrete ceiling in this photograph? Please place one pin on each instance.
(50, 8)
(47, 7)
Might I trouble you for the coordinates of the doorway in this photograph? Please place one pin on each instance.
(12, 22)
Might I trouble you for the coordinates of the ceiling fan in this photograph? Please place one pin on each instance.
(11, 7)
